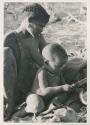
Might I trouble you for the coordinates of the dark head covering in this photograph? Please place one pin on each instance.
(36, 13)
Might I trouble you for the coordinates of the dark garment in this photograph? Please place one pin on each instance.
(12, 42)
(73, 68)
(26, 67)
(74, 71)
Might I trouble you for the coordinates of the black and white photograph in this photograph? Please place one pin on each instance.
(45, 62)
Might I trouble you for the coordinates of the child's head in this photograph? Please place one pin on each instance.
(36, 16)
(55, 56)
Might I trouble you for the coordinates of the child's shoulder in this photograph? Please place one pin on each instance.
(42, 71)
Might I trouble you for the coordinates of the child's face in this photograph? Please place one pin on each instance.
(35, 27)
(55, 64)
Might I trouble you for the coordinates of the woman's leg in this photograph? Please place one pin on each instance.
(76, 105)
(74, 102)
(59, 99)
(10, 75)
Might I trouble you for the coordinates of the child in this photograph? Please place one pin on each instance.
(22, 55)
(49, 81)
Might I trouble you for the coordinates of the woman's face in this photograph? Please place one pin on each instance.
(35, 27)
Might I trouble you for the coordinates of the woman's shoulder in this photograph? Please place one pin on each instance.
(10, 34)
(9, 38)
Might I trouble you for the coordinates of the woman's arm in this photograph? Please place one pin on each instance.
(42, 42)
(10, 41)
(37, 57)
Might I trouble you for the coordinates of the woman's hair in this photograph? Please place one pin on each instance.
(54, 49)
(36, 12)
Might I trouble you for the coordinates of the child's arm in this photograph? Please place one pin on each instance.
(49, 91)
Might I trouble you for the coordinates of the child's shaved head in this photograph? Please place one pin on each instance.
(36, 12)
(52, 50)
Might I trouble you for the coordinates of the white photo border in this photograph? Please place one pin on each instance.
(1, 60)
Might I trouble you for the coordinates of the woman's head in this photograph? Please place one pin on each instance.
(36, 12)
(35, 18)
(55, 56)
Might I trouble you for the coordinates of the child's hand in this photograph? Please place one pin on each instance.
(67, 88)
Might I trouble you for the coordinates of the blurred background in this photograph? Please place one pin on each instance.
(67, 25)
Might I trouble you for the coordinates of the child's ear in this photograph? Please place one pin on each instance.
(46, 62)
(31, 25)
